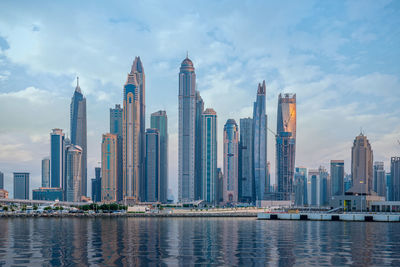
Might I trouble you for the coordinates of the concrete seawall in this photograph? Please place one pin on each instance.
(360, 217)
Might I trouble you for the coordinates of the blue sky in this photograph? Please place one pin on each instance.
(341, 58)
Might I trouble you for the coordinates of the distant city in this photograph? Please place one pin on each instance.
(134, 160)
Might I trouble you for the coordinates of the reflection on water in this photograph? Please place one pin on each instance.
(188, 241)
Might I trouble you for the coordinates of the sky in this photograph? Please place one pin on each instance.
(341, 58)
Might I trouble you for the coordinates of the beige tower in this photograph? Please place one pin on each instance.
(109, 168)
(361, 166)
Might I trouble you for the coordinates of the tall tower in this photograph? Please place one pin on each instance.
(137, 68)
(394, 187)
(159, 121)
(246, 178)
(209, 156)
(45, 172)
(78, 131)
(361, 166)
(131, 138)
(73, 172)
(379, 179)
(198, 184)
(231, 146)
(21, 185)
(337, 178)
(116, 122)
(152, 170)
(286, 144)
(57, 158)
(260, 169)
(187, 114)
(109, 168)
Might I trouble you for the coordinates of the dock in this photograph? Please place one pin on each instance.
(360, 217)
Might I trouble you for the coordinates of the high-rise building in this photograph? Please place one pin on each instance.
(348, 182)
(220, 186)
(109, 184)
(198, 184)
(116, 123)
(57, 158)
(286, 144)
(137, 68)
(231, 150)
(389, 191)
(209, 155)
(313, 187)
(361, 166)
(1, 180)
(73, 173)
(152, 170)
(78, 131)
(324, 190)
(131, 135)
(159, 121)
(96, 185)
(246, 178)
(337, 178)
(21, 185)
(187, 127)
(46, 193)
(379, 178)
(260, 170)
(395, 178)
(46, 172)
(300, 186)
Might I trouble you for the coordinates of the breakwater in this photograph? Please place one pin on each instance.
(360, 217)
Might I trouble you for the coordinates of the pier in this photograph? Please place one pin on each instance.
(359, 217)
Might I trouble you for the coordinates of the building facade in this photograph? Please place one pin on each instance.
(337, 178)
(152, 170)
(1, 180)
(260, 170)
(187, 127)
(159, 121)
(361, 166)
(198, 184)
(231, 150)
(46, 172)
(131, 135)
(220, 186)
(300, 187)
(246, 178)
(395, 178)
(78, 131)
(46, 193)
(96, 185)
(286, 145)
(57, 158)
(116, 122)
(209, 156)
(379, 178)
(73, 173)
(21, 185)
(109, 185)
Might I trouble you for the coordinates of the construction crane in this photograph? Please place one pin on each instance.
(286, 122)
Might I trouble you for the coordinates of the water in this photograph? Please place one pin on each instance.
(189, 241)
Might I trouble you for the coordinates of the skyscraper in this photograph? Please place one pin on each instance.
(209, 155)
(109, 156)
(379, 179)
(131, 136)
(159, 121)
(260, 144)
(286, 144)
(220, 186)
(313, 187)
(337, 178)
(73, 173)
(78, 131)
(21, 185)
(96, 185)
(300, 186)
(246, 178)
(137, 68)
(231, 150)
(1, 180)
(57, 158)
(395, 178)
(152, 170)
(198, 185)
(116, 123)
(187, 124)
(324, 186)
(46, 172)
(361, 166)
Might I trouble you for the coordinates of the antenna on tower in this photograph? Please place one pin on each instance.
(187, 54)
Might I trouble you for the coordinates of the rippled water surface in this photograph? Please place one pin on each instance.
(189, 241)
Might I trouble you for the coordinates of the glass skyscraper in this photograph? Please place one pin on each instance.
(246, 178)
(73, 172)
(209, 156)
(159, 121)
(231, 150)
(1, 180)
(96, 185)
(379, 179)
(21, 185)
(337, 178)
(116, 122)
(109, 184)
(300, 187)
(152, 170)
(57, 158)
(46, 172)
(395, 178)
(187, 127)
(78, 131)
(260, 170)
(198, 185)
(286, 145)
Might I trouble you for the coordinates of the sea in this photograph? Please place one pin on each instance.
(132, 241)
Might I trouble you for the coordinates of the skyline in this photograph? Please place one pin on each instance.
(224, 81)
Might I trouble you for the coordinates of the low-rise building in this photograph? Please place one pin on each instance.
(3, 193)
(47, 193)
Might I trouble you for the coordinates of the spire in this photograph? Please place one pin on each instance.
(261, 88)
(137, 66)
(77, 89)
(187, 54)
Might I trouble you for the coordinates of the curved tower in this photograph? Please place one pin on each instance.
(187, 114)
